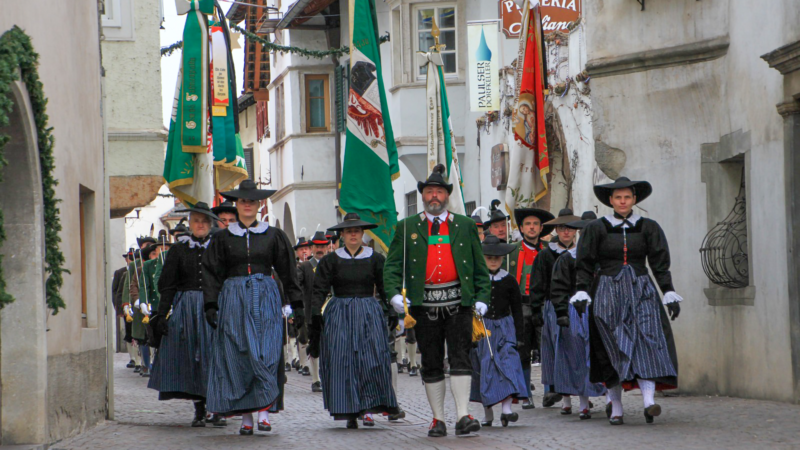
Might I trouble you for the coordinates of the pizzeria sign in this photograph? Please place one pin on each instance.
(557, 15)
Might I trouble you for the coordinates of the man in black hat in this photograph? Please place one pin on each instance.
(302, 250)
(497, 224)
(305, 275)
(520, 264)
(437, 256)
(552, 317)
(479, 224)
(227, 214)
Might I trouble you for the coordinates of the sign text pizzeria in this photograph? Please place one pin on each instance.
(557, 15)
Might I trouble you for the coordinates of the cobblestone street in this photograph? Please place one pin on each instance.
(142, 422)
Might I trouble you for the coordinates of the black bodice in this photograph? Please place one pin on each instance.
(346, 277)
(183, 271)
(506, 299)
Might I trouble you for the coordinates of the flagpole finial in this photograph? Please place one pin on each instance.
(435, 32)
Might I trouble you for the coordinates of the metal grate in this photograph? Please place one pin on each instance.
(724, 249)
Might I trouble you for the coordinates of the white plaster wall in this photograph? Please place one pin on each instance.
(660, 118)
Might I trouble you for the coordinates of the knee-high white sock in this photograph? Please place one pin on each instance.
(584, 402)
(400, 348)
(435, 393)
(460, 386)
(648, 388)
(488, 414)
(314, 366)
(394, 377)
(263, 416)
(303, 356)
(608, 397)
(137, 356)
(566, 401)
(615, 394)
(247, 420)
(412, 355)
(507, 405)
(286, 354)
(131, 351)
(293, 346)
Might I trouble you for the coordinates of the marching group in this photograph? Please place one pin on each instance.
(232, 305)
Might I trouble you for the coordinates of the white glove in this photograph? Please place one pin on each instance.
(127, 310)
(136, 303)
(672, 297)
(580, 296)
(144, 308)
(287, 311)
(397, 303)
(481, 308)
(401, 326)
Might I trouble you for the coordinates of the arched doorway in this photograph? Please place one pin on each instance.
(23, 349)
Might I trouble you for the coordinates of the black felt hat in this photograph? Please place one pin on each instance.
(225, 207)
(435, 179)
(180, 229)
(586, 217)
(248, 191)
(200, 208)
(641, 190)
(319, 239)
(477, 219)
(145, 240)
(565, 216)
(495, 214)
(545, 216)
(302, 242)
(353, 220)
(493, 246)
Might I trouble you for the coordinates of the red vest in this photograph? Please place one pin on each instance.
(525, 266)
(441, 267)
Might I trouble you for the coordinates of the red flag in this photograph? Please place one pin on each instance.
(529, 127)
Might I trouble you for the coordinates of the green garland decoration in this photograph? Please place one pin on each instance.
(17, 55)
(317, 54)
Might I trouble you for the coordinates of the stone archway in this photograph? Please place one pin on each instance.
(23, 344)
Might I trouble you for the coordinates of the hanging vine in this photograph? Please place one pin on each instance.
(17, 57)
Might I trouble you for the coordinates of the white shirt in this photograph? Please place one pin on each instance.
(442, 217)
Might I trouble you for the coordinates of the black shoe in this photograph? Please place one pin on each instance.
(567, 410)
(616, 420)
(404, 363)
(199, 415)
(506, 418)
(137, 369)
(130, 364)
(585, 414)
(608, 409)
(438, 429)
(368, 422)
(222, 422)
(145, 372)
(486, 423)
(305, 372)
(263, 425)
(316, 387)
(216, 420)
(652, 412)
(467, 425)
(352, 424)
(400, 415)
(399, 368)
(296, 364)
(550, 399)
(287, 367)
(246, 431)
(413, 372)
(528, 405)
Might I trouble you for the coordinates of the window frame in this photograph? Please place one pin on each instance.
(416, 32)
(411, 195)
(326, 97)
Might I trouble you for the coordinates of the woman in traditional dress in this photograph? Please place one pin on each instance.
(626, 313)
(352, 341)
(571, 364)
(180, 369)
(244, 306)
(498, 376)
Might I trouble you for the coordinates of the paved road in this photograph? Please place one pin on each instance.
(142, 422)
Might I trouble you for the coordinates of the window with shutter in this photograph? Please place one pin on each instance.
(248, 161)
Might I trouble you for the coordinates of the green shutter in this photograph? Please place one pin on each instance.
(339, 92)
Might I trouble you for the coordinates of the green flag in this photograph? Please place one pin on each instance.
(370, 153)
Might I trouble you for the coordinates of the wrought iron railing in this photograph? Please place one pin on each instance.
(724, 249)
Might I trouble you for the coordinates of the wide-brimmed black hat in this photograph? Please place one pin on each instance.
(353, 220)
(586, 217)
(145, 240)
(200, 208)
(435, 179)
(302, 242)
(319, 239)
(641, 190)
(493, 246)
(225, 207)
(248, 191)
(179, 230)
(545, 216)
(565, 216)
(495, 214)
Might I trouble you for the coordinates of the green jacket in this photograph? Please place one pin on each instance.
(146, 280)
(476, 285)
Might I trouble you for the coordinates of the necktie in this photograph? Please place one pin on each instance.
(435, 227)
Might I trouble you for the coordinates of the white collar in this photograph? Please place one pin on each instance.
(633, 218)
(556, 247)
(499, 275)
(365, 253)
(574, 252)
(442, 217)
(190, 240)
(236, 229)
